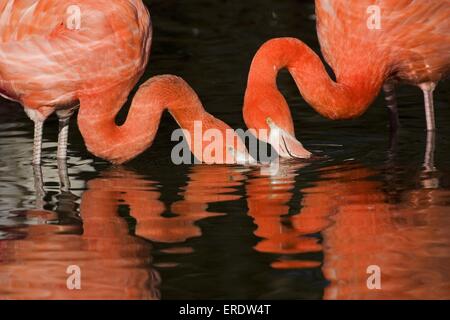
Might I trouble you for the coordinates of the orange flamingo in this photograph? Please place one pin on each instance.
(50, 62)
(411, 44)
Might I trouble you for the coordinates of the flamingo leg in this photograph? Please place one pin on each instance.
(63, 136)
(63, 173)
(428, 89)
(391, 99)
(429, 177)
(429, 153)
(37, 142)
(39, 186)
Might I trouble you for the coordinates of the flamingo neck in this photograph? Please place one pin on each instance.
(356, 87)
(119, 144)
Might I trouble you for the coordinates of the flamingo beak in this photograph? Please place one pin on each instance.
(286, 145)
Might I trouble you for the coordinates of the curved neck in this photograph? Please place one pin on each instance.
(119, 144)
(356, 87)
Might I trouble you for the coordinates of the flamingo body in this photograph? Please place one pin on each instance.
(413, 41)
(48, 65)
(411, 45)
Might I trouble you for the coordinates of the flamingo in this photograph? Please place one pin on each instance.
(60, 55)
(410, 44)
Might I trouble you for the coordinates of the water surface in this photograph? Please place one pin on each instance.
(152, 230)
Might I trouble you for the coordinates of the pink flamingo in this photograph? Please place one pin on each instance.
(367, 46)
(58, 55)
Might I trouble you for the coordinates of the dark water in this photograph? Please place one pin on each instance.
(151, 230)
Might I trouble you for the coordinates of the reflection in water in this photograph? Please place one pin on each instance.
(206, 185)
(281, 233)
(360, 227)
(338, 223)
(114, 264)
(410, 243)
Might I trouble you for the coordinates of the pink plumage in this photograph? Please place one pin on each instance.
(369, 45)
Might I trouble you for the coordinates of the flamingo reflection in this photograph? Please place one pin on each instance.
(360, 226)
(408, 242)
(113, 263)
(268, 199)
(206, 185)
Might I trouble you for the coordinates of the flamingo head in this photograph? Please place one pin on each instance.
(213, 142)
(276, 128)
